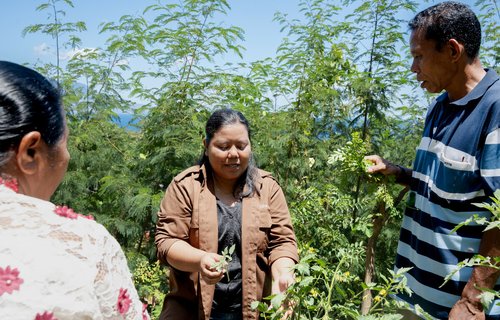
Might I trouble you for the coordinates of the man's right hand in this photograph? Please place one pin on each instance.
(383, 166)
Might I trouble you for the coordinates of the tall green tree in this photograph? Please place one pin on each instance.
(337, 89)
(93, 83)
(182, 40)
(378, 31)
(64, 33)
(311, 68)
(489, 16)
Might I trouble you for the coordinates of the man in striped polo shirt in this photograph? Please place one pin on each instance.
(457, 164)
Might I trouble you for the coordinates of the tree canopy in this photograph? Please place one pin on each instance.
(345, 91)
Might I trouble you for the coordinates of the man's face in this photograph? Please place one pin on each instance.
(434, 68)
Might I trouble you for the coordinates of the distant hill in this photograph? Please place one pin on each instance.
(127, 121)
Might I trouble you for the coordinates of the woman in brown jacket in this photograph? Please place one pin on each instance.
(225, 200)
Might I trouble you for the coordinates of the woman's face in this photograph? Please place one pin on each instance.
(57, 159)
(229, 151)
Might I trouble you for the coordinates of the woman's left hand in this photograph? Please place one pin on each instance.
(284, 280)
(283, 277)
(282, 273)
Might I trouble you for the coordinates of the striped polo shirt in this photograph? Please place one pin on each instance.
(457, 164)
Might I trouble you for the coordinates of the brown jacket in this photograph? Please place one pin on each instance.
(188, 212)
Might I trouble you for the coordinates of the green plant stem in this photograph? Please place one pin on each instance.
(330, 290)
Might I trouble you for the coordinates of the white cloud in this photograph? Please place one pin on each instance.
(122, 62)
(81, 52)
(42, 49)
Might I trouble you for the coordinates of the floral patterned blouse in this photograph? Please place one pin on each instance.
(57, 264)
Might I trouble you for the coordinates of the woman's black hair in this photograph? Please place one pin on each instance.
(450, 20)
(28, 102)
(217, 120)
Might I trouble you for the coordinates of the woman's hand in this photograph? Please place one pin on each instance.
(207, 272)
(283, 277)
(183, 256)
(282, 273)
(284, 280)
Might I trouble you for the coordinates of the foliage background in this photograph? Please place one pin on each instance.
(344, 89)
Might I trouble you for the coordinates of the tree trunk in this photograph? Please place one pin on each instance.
(378, 223)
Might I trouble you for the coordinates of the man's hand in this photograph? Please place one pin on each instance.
(465, 309)
(469, 306)
(403, 175)
(383, 166)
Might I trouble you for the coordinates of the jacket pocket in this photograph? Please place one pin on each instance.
(264, 231)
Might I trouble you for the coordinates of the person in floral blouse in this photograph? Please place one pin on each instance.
(54, 263)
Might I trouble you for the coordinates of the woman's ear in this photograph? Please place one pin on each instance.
(205, 146)
(29, 151)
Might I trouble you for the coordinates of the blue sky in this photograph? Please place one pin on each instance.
(255, 17)
(262, 35)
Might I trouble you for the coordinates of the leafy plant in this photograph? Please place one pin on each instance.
(56, 29)
(323, 293)
(488, 295)
(223, 263)
(493, 207)
(150, 280)
(337, 89)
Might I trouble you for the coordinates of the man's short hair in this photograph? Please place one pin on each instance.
(450, 20)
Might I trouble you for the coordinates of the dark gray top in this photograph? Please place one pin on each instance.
(228, 294)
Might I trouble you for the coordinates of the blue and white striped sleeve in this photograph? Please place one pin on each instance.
(490, 161)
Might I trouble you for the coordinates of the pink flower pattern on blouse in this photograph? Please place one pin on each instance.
(10, 183)
(66, 212)
(9, 280)
(90, 217)
(63, 211)
(45, 316)
(124, 301)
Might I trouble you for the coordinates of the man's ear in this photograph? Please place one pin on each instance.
(456, 49)
(28, 152)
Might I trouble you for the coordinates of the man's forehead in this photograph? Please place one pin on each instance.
(417, 35)
(418, 39)
(414, 41)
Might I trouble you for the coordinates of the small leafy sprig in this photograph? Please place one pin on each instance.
(488, 295)
(493, 207)
(227, 256)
